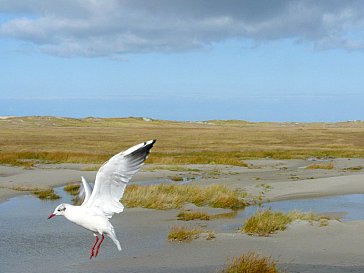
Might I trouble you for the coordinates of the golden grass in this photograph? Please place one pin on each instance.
(41, 193)
(47, 194)
(183, 234)
(177, 178)
(267, 222)
(207, 157)
(171, 196)
(193, 215)
(355, 168)
(28, 140)
(324, 166)
(251, 263)
(72, 189)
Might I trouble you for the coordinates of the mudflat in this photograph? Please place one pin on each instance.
(303, 247)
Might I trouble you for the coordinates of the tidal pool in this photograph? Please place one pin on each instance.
(31, 243)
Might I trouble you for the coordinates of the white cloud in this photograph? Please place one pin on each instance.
(115, 27)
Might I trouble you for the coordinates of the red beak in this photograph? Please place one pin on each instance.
(52, 215)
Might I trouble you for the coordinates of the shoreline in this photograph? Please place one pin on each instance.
(57, 175)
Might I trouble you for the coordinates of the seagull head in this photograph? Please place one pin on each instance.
(60, 210)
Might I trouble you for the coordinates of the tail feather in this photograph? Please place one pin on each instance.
(113, 237)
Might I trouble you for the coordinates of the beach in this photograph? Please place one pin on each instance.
(303, 247)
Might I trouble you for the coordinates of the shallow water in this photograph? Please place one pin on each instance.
(31, 243)
(352, 205)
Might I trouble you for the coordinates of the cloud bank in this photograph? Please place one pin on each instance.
(112, 28)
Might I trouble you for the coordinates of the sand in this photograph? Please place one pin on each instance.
(303, 247)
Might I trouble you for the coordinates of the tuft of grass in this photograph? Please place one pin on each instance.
(266, 222)
(210, 235)
(44, 194)
(251, 263)
(323, 166)
(183, 234)
(324, 222)
(72, 189)
(193, 215)
(47, 194)
(177, 178)
(170, 196)
(356, 168)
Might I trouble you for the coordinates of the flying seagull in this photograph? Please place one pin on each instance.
(101, 202)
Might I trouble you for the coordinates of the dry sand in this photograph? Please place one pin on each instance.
(302, 248)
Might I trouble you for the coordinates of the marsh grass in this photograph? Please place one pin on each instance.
(41, 193)
(193, 215)
(61, 140)
(323, 166)
(13, 160)
(177, 178)
(267, 222)
(72, 189)
(183, 233)
(251, 263)
(171, 196)
(28, 159)
(355, 168)
(46, 194)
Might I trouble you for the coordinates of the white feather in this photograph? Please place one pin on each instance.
(112, 178)
(86, 189)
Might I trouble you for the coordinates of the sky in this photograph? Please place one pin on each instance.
(188, 60)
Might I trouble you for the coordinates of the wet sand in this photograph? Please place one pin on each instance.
(64, 247)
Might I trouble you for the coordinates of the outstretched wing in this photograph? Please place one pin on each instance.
(84, 192)
(113, 176)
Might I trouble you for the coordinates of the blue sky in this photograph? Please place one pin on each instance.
(183, 60)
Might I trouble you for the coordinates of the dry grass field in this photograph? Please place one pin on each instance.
(25, 140)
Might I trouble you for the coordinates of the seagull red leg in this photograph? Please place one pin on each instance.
(93, 248)
(98, 247)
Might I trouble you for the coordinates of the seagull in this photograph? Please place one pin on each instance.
(101, 202)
